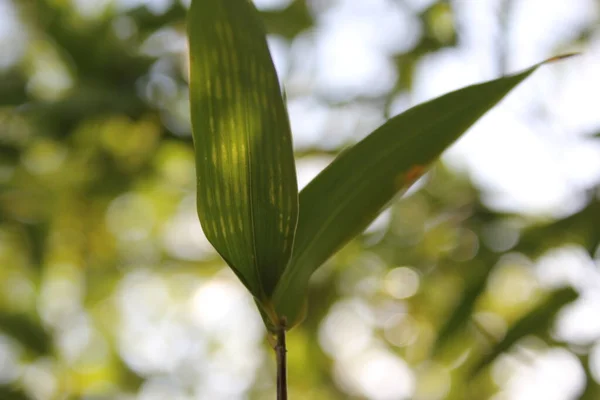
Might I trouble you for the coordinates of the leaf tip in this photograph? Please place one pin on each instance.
(562, 57)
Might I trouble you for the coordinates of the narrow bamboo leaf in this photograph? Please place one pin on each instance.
(536, 321)
(247, 190)
(345, 197)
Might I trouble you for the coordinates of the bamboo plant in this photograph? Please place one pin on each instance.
(272, 236)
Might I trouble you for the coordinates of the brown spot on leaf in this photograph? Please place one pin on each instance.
(403, 180)
(413, 174)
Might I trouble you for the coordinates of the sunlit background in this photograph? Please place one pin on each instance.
(109, 289)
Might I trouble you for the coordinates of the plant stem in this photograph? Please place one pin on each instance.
(280, 351)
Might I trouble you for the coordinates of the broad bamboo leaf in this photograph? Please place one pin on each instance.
(345, 197)
(247, 190)
(536, 321)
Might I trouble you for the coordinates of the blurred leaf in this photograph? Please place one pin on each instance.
(9, 155)
(247, 191)
(592, 388)
(290, 21)
(477, 282)
(129, 379)
(91, 46)
(344, 198)
(537, 321)
(149, 21)
(86, 101)
(12, 393)
(26, 331)
(573, 229)
(439, 32)
(12, 88)
(37, 235)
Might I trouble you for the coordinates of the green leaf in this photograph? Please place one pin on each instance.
(574, 229)
(539, 320)
(592, 388)
(290, 21)
(247, 190)
(27, 331)
(345, 197)
(477, 282)
(12, 393)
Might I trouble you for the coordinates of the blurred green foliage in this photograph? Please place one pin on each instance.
(96, 187)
